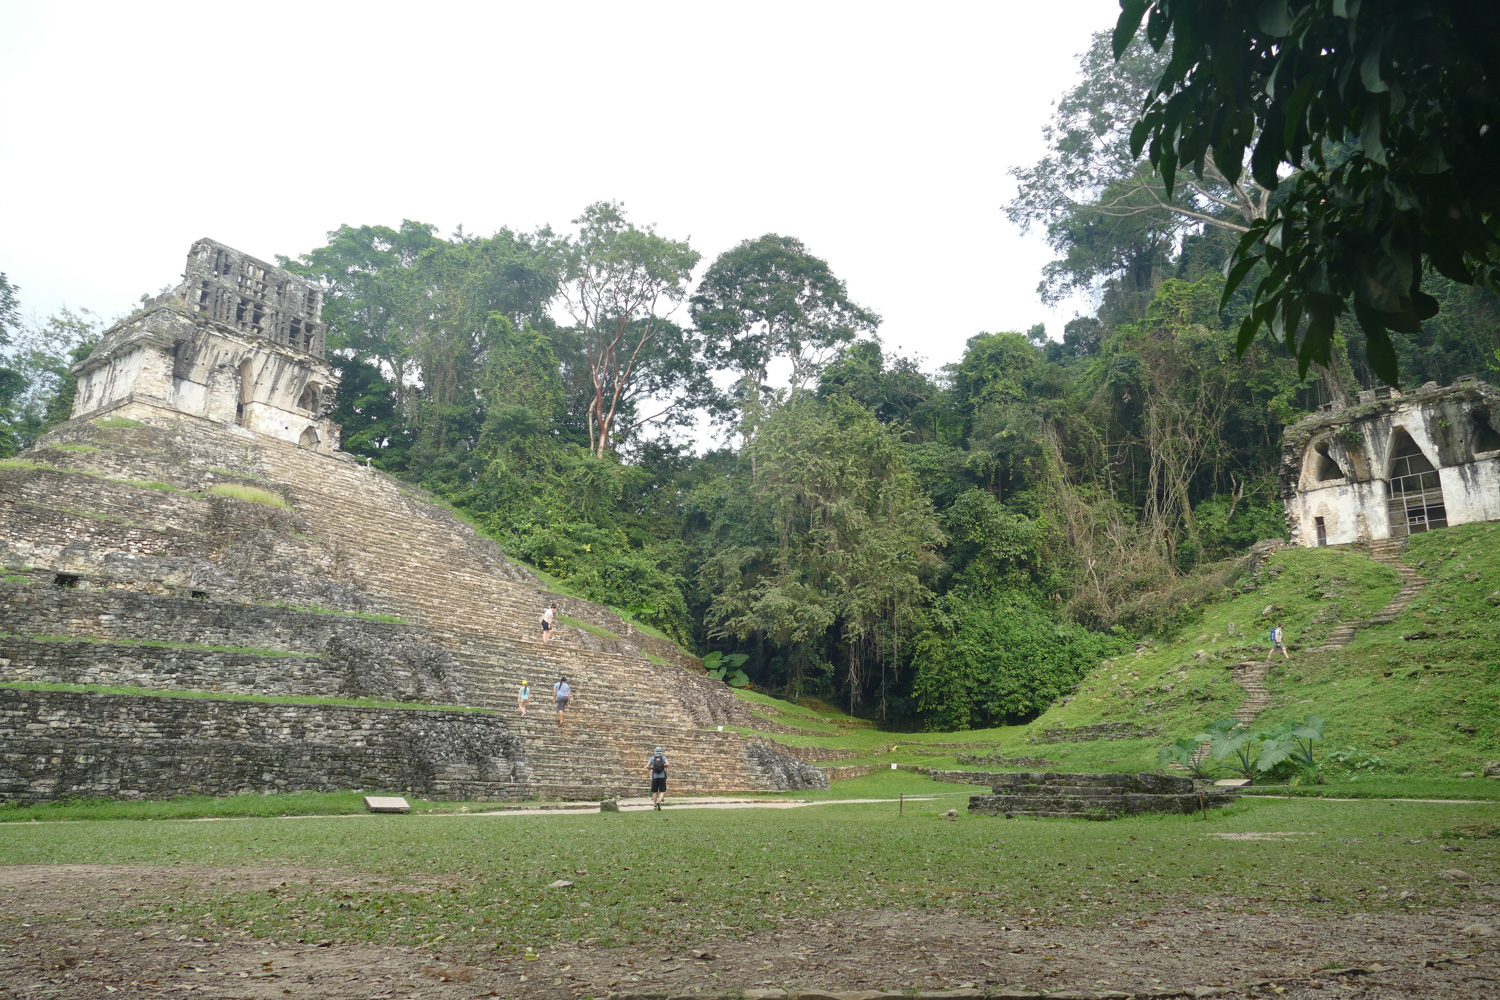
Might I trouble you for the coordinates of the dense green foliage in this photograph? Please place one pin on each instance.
(1384, 111)
(951, 548)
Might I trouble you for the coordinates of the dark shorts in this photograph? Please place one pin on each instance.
(658, 784)
(546, 626)
(562, 703)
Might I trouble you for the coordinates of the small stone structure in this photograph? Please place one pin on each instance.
(1393, 465)
(1091, 796)
(239, 342)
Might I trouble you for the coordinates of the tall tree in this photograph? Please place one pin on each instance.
(1289, 82)
(770, 299)
(1109, 217)
(620, 284)
(12, 382)
(837, 540)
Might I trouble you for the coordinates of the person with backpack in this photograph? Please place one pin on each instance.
(563, 694)
(547, 616)
(1277, 643)
(658, 766)
(523, 698)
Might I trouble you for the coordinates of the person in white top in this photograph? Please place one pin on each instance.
(547, 617)
(1277, 642)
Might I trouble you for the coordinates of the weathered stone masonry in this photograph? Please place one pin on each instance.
(240, 342)
(1393, 465)
(71, 744)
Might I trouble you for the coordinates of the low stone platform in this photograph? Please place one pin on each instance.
(1093, 796)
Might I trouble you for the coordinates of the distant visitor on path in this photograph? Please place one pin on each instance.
(658, 766)
(547, 616)
(563, 694)
(1277, 643)
(523, 698)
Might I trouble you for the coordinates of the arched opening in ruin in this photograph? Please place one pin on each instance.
(1415, 491)
(1485, 437)
(247, 390)
(1324, 467)
(309, 438)
(311, 398)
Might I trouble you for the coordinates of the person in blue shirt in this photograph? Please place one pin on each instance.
(658, 766)
(563, 694)
(523, 698)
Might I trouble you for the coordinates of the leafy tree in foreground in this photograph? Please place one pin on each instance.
(1292, 82)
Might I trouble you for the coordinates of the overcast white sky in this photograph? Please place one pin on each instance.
(879, 134)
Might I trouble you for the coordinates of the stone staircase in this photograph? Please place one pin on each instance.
(1250, 675)
(360, 541)
(1387, 551)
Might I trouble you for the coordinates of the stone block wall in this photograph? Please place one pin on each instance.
(57, 744)
(1098, 731)
(336, 655)
(1094, 796)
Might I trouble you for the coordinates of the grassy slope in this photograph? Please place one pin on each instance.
(1428, 707)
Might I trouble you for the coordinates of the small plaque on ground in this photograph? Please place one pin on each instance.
(1232, 782)
(386, 804)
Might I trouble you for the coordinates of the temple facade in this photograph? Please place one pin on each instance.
(239, 342)
(1393, 465)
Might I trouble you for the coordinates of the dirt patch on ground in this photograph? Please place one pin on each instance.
(56, 940)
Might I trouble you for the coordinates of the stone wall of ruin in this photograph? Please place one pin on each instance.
(62, 744)
(1444, 424)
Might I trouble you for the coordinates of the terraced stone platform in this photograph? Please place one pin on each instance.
(123, 567)
(1091, 796)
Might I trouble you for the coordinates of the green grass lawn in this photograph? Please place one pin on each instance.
(480, 883)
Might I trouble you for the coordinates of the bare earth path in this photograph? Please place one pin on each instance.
(61, 936)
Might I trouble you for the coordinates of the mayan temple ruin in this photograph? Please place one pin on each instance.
(194, 529)
(1393, 465)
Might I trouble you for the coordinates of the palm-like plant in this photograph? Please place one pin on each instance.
(1232, 744)
(1292, 740)
(1184, 753)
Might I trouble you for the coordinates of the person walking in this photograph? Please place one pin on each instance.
(547, 617)
(1277, 643)
(563, 694)
(658, 766)
(523, 698)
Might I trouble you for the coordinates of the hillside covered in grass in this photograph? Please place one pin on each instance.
(1417, 697)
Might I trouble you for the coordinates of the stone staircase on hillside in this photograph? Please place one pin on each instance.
(1250, 675)
(376, 545)
(449, 575)
(1387, 551)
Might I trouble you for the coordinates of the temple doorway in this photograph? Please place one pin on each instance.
(1415, 492)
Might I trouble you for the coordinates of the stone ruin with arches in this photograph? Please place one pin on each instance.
(1393, 465)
